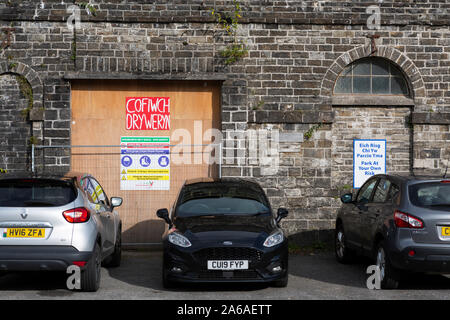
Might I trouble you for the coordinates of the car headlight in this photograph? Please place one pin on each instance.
(274, 239)
(179, 240)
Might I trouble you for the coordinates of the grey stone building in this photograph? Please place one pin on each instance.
(311, 69)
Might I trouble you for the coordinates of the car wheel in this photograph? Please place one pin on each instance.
(116, 257)
(388, 274)
(282, 283)
(342, 252)
(90, 277)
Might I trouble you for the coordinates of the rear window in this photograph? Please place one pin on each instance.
(36, 193)
(430, 194)
(221, 199)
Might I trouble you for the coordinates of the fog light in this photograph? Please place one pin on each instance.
(276, 269)
(177, 270)
(411, 253)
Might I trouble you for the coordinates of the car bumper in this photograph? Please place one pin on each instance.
(40, 258)
(192, 269)
(426, 258)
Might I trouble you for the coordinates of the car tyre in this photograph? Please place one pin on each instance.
(343, 253)
(116, 257)
(389, 276)
(90, 277)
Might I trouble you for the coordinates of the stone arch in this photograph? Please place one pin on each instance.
(33, 79)
(410, 70)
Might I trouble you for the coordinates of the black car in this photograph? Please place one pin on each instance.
(403, 223)
(223, 230)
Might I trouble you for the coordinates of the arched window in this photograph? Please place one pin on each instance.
(371, 76)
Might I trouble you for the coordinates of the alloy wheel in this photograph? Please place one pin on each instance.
(340, 244)
(381, 262)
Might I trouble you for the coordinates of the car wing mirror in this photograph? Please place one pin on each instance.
(116, 202)
(164, 214)
(347, 198)
(281, 213)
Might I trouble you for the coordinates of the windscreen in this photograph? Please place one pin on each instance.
(221, 199)
(36, 193)
(430, 194)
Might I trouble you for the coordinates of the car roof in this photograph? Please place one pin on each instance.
(46, 175)
(212, 181)
(414, 178)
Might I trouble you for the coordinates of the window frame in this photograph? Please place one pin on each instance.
(351, 98)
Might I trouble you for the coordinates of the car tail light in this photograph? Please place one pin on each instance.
(79, 263)
(445, 181)
(77, 215)
(404, 220)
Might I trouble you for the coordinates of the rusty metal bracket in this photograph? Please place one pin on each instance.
(373, 45)
(7, 39)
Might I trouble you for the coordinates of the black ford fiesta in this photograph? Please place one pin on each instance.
(223, 230)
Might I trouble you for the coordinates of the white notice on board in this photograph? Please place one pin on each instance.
(369, 159)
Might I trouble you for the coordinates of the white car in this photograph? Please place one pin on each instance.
(49, 223)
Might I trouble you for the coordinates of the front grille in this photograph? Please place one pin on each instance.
(236, 274)
(228, 253)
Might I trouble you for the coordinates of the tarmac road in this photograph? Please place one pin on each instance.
(316, 276)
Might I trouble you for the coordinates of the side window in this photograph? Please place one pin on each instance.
(100, 195)
(393, 192)
(89, 189)
(366, 191)
(381, 193)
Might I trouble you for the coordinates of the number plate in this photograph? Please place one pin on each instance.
(227, 264)
(24, 233)
(445, 231)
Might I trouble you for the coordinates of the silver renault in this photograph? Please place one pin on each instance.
(52, 222)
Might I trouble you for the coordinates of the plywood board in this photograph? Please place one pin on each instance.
(98, 118)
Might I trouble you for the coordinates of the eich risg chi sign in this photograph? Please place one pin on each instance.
(369, 159)
(147, 113)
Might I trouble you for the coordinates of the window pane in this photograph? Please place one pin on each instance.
(433, 194)
(343, 85)
(380, 85)
(366, 191)
(393, 193)
(347, 71)
(361, 68)
(361, 85)
(380, 67)
(398, 86)
(395, 72)
(381, 191)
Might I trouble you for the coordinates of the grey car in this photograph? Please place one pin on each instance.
(49, 223)
(402, 222)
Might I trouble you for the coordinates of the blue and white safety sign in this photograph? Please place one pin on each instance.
(145, 163)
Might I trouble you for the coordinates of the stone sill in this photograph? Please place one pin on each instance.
(144, 76)
(277, 116)
(375, 100)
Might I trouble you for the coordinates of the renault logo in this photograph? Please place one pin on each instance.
(24, 215)
(227, 243)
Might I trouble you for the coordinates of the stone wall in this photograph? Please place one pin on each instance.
(296, 50)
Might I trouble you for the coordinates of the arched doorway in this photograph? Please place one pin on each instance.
(16, 129)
